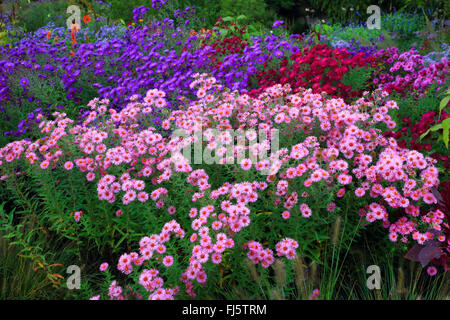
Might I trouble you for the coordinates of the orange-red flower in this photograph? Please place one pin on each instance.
(87, 19)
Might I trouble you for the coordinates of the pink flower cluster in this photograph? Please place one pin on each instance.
(206, 250)
(287, 247)
(257, 254)
(408, 70)
(149, 278)
(335, 145)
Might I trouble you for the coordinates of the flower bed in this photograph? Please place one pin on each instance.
(326, 147)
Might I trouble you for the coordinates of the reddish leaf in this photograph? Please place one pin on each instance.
(413, 253)
(429, 253)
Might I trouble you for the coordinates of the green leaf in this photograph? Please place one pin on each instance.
(223, 32)
(241, 17)
(120, 241)
(326, 29)
(445, 132)
(443, 104)
(118, 230)
(433, 128)
(227, 19)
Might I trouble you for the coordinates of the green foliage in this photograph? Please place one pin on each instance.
(428, 7)
(32, 17)
(444, 102)
(48, 94)
(124, 9)
(403, 23)
(357, 78)
(343, 276)
(400, 279)
(346, 10)
(400, 29)
(445, 127)
(234, 26)
(413, 107)
(256, 11)
(25, 270)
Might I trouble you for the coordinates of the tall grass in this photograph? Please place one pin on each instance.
(341, 275)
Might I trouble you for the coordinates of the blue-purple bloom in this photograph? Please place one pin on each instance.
(278, 53)
(278, 23)
(24, 82)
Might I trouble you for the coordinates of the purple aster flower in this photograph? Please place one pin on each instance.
(157, 121)
(48, 67)
(260, 60)
(24, 82)
(277, 24)
(278, 53)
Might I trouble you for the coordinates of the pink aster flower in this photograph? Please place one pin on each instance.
(315, 294)
(68, 165)
(216, 258)
(90, 176)
(432, 271)
(246, 164)
(286, 214)
(360, 192)
(331, 207)
(344, 179)
(393, 236)
(142, 196)
(168, 261)
(341, 192)
(77, 215)
(104, 266)
(44, 164)
(171, 210)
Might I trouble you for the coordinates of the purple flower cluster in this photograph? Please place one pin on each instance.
(139, 12)
(122, 63)
(355, 46)
(158, 4)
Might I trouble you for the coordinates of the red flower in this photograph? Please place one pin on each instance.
(86, 19)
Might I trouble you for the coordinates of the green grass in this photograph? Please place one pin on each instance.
(21, 278)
